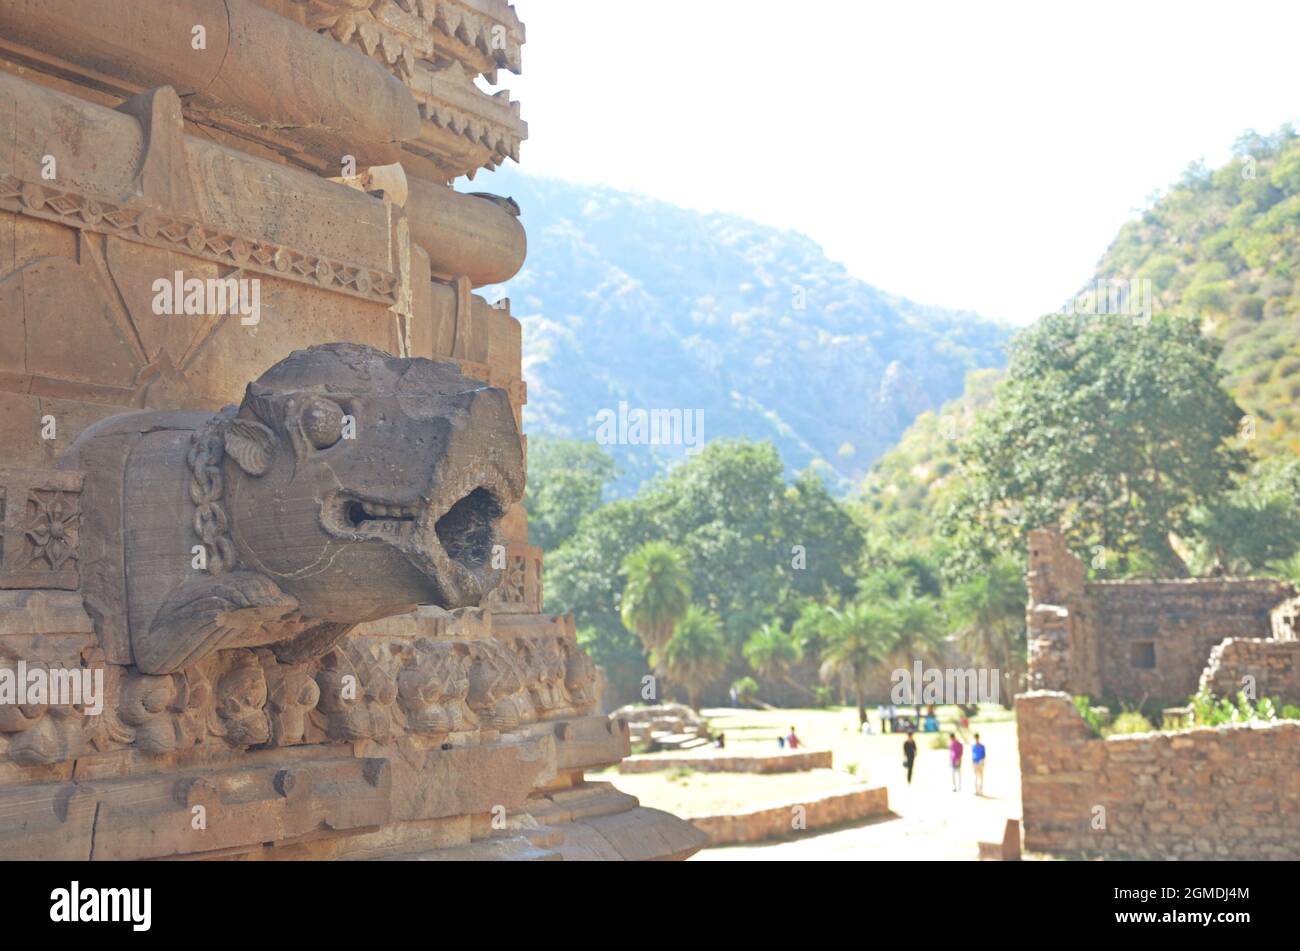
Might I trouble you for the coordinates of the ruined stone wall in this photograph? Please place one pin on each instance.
(1182, 621)
(1063, 648)
(1132, 641)
(1272, 667)
(1229, 792)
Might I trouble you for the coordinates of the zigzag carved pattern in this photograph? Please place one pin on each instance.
(175, 233)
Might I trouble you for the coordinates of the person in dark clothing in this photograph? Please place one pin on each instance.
(909, 754)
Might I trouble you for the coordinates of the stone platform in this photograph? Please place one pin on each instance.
(713, 760)
(783, 819)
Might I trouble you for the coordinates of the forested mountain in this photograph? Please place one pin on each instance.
(624, 298)
(1221, 246)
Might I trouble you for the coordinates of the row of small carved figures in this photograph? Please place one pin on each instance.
(362, 689)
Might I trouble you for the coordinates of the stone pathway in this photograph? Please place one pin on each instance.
(930, 821)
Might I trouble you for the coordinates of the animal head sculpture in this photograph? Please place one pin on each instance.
(349, 485)
(357, 481)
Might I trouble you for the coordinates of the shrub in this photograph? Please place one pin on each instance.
(1130, 722)
(1091, 715)
(1211, 711)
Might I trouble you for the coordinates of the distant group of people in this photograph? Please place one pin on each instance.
(956, 750)
(790, 740)
(891, 721)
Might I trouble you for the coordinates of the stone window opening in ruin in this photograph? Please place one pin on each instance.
(1143, 655)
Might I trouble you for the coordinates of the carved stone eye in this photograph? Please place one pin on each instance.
(322, 422)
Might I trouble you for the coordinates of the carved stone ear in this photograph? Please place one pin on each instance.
(261, 400)
(251, 445)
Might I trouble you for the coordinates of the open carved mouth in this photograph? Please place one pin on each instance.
(466, 531)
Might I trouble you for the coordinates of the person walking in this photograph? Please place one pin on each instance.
(977, 755)
(909, 755)
(954, 758)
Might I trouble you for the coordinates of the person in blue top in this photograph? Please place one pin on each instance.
(977, 763)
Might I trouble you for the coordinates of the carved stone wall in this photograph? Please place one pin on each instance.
(305, 147)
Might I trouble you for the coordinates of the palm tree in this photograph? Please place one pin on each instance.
(990, 612)
(696, 655)
(858, 637)
(655, 598)
(915, 627)
(771, 653)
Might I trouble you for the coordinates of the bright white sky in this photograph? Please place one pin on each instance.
(968, 154)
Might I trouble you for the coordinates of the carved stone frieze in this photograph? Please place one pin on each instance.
(433, 689)
(196, 239)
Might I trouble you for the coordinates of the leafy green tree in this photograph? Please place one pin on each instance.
(915, 627)
(583, 579)
(566, 478)
(656, 598)
(723, 508)
(737, 523)
(773, 653)
(1256, 526)
(697, 653)
(988, 610)
(858, 638)
(1115, 428)
(820, 539)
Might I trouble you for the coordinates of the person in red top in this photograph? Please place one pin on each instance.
(792, 740)
(954, 758)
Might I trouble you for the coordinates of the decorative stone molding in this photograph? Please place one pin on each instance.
(194, 238)
(363, 689)
(483, 35)
(437, 48)
(520, 590)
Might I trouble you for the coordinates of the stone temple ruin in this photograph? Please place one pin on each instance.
(1222, 792)
(261, 462)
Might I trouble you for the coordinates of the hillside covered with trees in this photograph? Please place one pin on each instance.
(628, 299)
(1223, 246)
(1220, 251)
